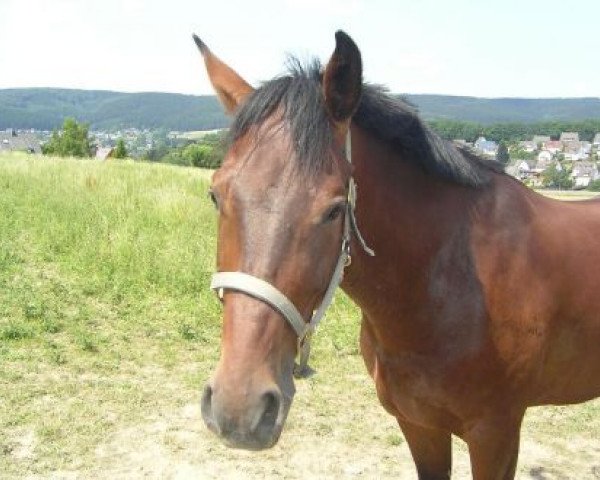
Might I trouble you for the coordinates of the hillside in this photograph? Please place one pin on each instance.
(500, 110)
(45, 108)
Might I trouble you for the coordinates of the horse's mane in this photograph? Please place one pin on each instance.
(298, 94)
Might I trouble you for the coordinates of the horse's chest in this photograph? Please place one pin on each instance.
(409, 386)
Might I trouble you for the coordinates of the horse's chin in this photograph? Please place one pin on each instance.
(255, 441)
(251, 444)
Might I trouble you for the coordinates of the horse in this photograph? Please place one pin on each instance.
(479, 297)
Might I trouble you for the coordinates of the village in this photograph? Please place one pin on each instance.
(137, 141)
(528, 159)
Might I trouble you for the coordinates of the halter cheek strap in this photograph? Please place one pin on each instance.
(264, 291)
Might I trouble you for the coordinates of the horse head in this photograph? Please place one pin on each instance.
(282, 196)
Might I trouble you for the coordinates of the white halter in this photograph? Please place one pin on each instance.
(264, 291)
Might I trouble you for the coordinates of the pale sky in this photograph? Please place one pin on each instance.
(486, 48)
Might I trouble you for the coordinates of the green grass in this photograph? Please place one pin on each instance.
(104, 271)
(107, 321)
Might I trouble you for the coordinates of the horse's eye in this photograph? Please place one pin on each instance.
(333, 213)
(213, 198)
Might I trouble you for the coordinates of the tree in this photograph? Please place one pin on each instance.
(120, 150)
(199, 155)
(207, 152)
(156, 153)
(594, 186)
(556, 176)
(72, 141)
(502, 154)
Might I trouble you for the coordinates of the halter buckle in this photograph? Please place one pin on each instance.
(348, 261)
(307, 336)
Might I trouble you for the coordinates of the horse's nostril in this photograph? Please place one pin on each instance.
(267, 419)
(253, 422)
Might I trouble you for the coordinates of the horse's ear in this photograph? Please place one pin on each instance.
(230, 87)
(342, 80)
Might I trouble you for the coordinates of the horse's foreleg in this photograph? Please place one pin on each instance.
(494, 446)
(431, 450)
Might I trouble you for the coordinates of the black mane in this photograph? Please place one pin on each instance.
(299, 96)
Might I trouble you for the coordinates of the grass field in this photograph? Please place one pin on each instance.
(108, 331)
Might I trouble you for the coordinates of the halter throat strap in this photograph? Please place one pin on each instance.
(267, 293)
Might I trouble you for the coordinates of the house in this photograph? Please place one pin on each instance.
(596, 141)
(553, 146)
(586, 147)
(575, 151)
(518, 170)
(104, 153)
(521, 169)
(528, 146)
(583, 173)
(533, 177)
(569, 137)
(486, 147)
(13, 141)
(544, 159)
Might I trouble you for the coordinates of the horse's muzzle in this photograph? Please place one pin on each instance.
(254, 426)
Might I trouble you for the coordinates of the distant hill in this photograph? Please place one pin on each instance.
(496, 110)
(45, 108)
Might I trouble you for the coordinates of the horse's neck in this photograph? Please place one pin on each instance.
(412, 220)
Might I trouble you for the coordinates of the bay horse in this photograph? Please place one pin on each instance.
(482, 297)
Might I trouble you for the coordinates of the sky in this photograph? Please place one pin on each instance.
(484, 48)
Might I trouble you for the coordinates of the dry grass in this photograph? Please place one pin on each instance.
(569, 195)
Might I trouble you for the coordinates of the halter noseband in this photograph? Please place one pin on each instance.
(264, 291)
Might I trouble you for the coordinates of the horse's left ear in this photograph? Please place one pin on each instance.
(231, 89)
(342, 79)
